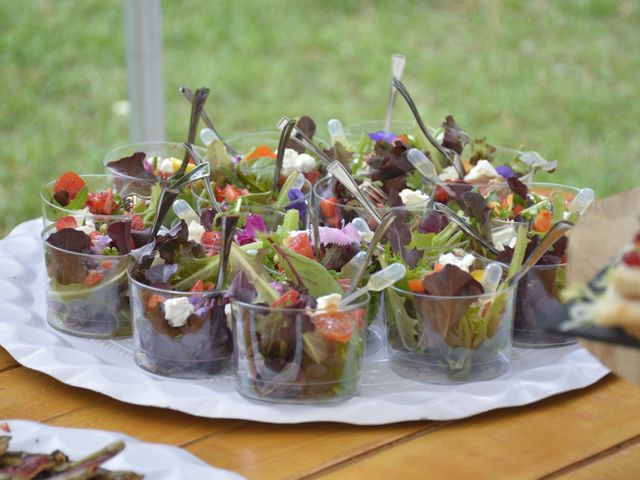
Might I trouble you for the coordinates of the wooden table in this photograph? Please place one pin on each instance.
(586, 434)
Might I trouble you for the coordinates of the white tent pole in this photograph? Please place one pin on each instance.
(143, 28)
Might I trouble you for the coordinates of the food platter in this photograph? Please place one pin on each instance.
(154, 460)
(107, 366)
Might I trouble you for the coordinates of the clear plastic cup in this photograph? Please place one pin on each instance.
(127, 184)
(449, 340)
(87, 295)
(52, 211)
(200, 348)
(538, 293)
(298, 356)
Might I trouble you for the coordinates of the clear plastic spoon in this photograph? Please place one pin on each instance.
(336, 132)
(378, 282)
(583, 200)
(426, 168)
(491, 277)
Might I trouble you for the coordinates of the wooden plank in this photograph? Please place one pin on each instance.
(526, 442)
(622, 464)
(32, 395)
(6, 360)
(294, 451)
(145, 423)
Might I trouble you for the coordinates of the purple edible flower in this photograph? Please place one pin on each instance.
(336, 236)
(100, 243)
(506, 171)
(278, 287)
(381, 135)
(297, 201)
(255, 223)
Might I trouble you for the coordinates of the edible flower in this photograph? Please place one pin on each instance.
(255, 224)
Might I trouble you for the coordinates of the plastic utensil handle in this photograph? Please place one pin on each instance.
(583, 200)
(397, 69)
(208, 136)
(378, 281)
(384, 225)
(352, 266)
(426, 168)
(207, 184)
(339, 171)
(300, 138)
(184, 211)
(336, 132)
(386, 277)
(285, 133)
(491, 277)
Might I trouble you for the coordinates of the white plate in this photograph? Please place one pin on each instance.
(154, 460)
(108, 367)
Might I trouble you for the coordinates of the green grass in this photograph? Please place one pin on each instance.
(560, 78)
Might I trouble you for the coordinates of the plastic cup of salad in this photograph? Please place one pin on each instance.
(180, 334)
(73, 195)
(137, 175)
(538, 293)
(301, 356)
(87, 292)
(449, 330)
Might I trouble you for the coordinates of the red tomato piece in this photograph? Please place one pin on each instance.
(286, 300)
(66, 222)
(137, 223)
(102, 203)
(92, 278)
(440, 195)
(260, 151)
(71, 183)
(335, 326)
(301, 244)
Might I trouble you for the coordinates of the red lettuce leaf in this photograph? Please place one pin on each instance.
(70, 240)
(120, 234)
(132, 166)
(454, 138)
(518, 188)
(444, 314)
(475, 206)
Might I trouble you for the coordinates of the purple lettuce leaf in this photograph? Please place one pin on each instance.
(132, 166)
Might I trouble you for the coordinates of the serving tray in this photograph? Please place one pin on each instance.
(107, 366)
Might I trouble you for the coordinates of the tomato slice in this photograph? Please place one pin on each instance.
(260, 151)
(66, 222)
(102, 203)
(69, 182)
(92, 278)
(337, 326)
(286, 300)
(301, 244)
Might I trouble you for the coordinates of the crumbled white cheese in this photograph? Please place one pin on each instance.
(296, 162)
(482, 172)
(449, 173)
(177, 310)
(88, 229)
(504, 236)
(166, 166)
(195, 231)
(413, 197)
(462, 262)
(329, 301)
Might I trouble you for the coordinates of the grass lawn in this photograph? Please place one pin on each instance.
(560, 78)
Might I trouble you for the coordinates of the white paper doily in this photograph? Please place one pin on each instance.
(108, 367)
